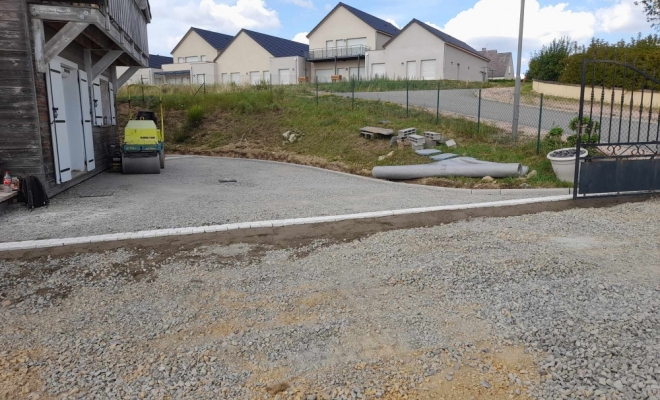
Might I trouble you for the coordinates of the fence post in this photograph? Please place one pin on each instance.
(479, 114)
(437, 107)
(143, 101)
(407, 96)
(316, 79)
(538, 136)
(353, 91)
(204, 86)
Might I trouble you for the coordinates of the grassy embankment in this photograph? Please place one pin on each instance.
(249, 123)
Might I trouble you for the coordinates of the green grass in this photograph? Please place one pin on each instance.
(250, 123)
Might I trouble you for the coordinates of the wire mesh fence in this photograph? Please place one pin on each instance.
(488, 109)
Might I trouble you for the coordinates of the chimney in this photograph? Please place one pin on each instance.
(483, 49)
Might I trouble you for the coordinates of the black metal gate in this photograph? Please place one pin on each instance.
(619, 126)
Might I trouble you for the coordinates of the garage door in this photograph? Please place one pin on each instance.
(428, 69)
(378, 70)
(255, 77)
(236, 78)
(324, 75)
(285, 76)
(411, 70)
(355, 74)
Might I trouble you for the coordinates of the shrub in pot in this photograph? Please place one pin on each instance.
(563, 162)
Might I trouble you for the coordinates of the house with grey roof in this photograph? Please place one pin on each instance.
(500, 65)
(253, 57)
(192, 58)
(422, 52)
(339, 43)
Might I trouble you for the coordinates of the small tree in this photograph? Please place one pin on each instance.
(652, 10)
(548, 63)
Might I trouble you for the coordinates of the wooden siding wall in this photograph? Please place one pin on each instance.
(104, 136)
(20, 146)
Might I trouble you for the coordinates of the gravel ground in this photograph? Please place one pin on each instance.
(188, 193)
(550, 306)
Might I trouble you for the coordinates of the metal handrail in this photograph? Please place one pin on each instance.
(338, 52)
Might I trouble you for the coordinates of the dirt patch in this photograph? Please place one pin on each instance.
(19, 378)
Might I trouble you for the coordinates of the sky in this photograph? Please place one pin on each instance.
(480, 23)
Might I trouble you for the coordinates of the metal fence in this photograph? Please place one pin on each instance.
(482, 103)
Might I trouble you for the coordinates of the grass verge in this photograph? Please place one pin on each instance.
(250, 124)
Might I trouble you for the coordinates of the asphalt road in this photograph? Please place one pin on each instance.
(464, 102)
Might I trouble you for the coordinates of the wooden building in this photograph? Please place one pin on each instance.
(58, 81)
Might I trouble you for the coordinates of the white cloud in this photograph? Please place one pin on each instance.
(624, 16)
(301, 38)
(302, 3)
(391, 21)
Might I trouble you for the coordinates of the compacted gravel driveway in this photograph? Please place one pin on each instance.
(547, 306)
(188, 193)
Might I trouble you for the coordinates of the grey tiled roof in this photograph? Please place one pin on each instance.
(219, 41)
(497, 67)
(276, 46)
(442, 36)
(156, 61)
(374, 22)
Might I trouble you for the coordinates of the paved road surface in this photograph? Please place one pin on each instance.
(464, 102)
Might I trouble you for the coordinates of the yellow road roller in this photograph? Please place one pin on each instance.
(143, 151)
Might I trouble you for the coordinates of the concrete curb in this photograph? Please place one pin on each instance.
(543, 191)
(52, 243)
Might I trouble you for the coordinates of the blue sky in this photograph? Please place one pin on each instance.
(480, 23)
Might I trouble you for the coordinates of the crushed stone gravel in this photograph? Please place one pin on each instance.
(548, 306)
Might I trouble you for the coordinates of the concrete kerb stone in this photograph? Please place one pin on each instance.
(47, 243)
(548, 191)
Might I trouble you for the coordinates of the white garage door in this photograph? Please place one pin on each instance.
(411, 70)
(324, 75)
(236, 78)
(354, 73)
(285, 76)
(255, 77)
(378, 70)
(428, 69)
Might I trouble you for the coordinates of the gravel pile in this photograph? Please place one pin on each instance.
(550, 306)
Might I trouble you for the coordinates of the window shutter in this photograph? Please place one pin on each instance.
(97, 102)
(58, 123)
(86, 112)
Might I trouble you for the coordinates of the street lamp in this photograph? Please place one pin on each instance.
(516, 96)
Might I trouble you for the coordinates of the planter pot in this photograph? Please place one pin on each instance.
(563, 164)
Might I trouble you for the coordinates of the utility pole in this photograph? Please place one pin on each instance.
(516, 96)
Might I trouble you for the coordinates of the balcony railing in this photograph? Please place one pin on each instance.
(337, 52)
(131, 19)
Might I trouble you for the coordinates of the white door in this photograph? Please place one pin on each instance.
(357, 73)
(86, 112)
(98, 103)
(378, 70)
(255, 78)
(225, 78)
(341, 48)
(356, 46)
(411, 70)
(58, 124)
(267, 76)
(285, 76)
(329, 48)
(428, 69)
(324, 75)
(236, 78)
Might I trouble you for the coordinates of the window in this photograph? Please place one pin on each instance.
(203, 58)
(180, 60)
(509, 69)
(192, 59)
(105, 103)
